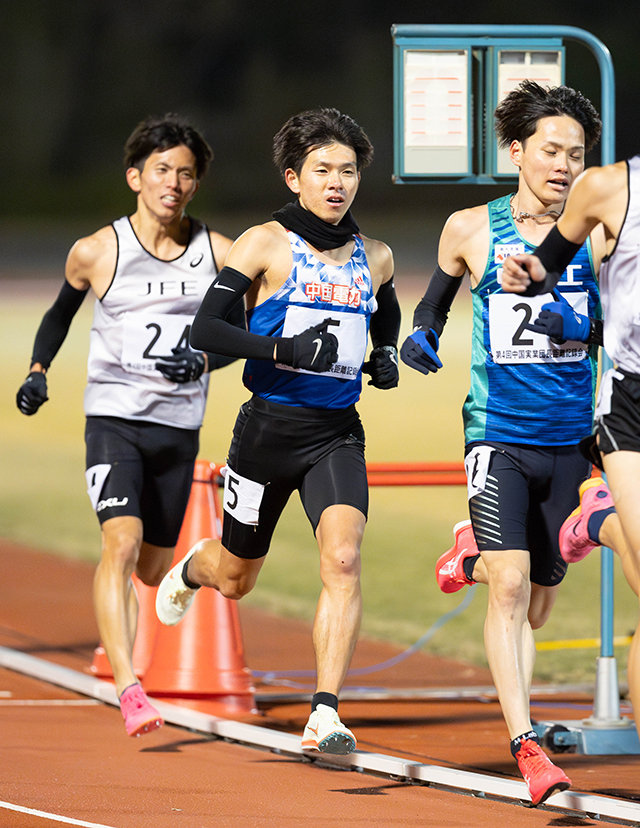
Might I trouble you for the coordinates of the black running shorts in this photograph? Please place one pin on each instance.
(140, 469)
(618, 412)
(277, 449)
(521, 503)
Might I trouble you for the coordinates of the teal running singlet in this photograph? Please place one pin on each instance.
(524, 388)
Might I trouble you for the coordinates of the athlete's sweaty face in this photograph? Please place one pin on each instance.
(167, 182)
(328, 181)
(551, 159)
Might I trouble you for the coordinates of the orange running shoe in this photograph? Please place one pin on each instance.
(543, 778)
(449, 567)
(575, 543)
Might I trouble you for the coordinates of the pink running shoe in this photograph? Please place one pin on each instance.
(543, 778)
(139, 715)
(575, 543)
(449, 572)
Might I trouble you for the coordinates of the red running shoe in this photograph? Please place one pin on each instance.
(139, 715)
(575, 543)
(449, 572)
(543, 778)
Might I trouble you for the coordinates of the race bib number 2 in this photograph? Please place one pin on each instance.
(512, 342)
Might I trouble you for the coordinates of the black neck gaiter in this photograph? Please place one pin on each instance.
(319, 233)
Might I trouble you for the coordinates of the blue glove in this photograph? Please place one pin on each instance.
(419, 351)
(184, 365)
(560, 322)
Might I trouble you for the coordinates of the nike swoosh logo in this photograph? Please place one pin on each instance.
(195, 262)
(318, 343)
(224, 287)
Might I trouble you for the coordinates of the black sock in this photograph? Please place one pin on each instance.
(324, 698)
(515, 743)
(468, 565)
(595, 522)
(189, 583)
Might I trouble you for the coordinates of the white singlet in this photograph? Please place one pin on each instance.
(620, 284)
(146, 311)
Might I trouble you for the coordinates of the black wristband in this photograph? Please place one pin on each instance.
(545, 286)
(556, 252)
(596, 331)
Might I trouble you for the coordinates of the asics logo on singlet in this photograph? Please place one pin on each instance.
(110, 502)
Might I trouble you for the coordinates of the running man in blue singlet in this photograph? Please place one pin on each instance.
(146, 388)
(608, 199)
(533, 374)
(315, 290)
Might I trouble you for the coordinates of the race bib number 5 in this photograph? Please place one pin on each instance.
(351, 333)
(242, 497)
(146, 337)
(512, 342)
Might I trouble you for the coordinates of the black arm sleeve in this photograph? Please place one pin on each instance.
(236, 318)
(555, 253)
(211, 332)
(433, 309)
(385, 322)
(55, 324)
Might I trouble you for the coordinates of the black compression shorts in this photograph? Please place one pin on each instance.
(277, 449)
(525, 494)
(143, 470)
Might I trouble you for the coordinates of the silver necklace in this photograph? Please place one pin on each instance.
(522, 215)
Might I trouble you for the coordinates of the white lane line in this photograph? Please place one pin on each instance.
(49, 702)
(9, 806)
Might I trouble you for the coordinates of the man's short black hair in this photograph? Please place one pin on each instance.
(157, 134)
(517, 115)
(315, 128)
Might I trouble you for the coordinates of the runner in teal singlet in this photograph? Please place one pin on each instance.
(531, 395)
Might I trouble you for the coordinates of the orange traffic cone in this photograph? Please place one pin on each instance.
(202, 657)
(145, 635)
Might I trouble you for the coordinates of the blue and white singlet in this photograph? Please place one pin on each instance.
(312, 293)
(524, 388)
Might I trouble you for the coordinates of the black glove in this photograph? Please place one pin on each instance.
(313, 350)
(383, 367)
(184, 366)
(32, 393)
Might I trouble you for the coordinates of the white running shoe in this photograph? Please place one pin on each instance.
(326, 733)
(174, 597)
